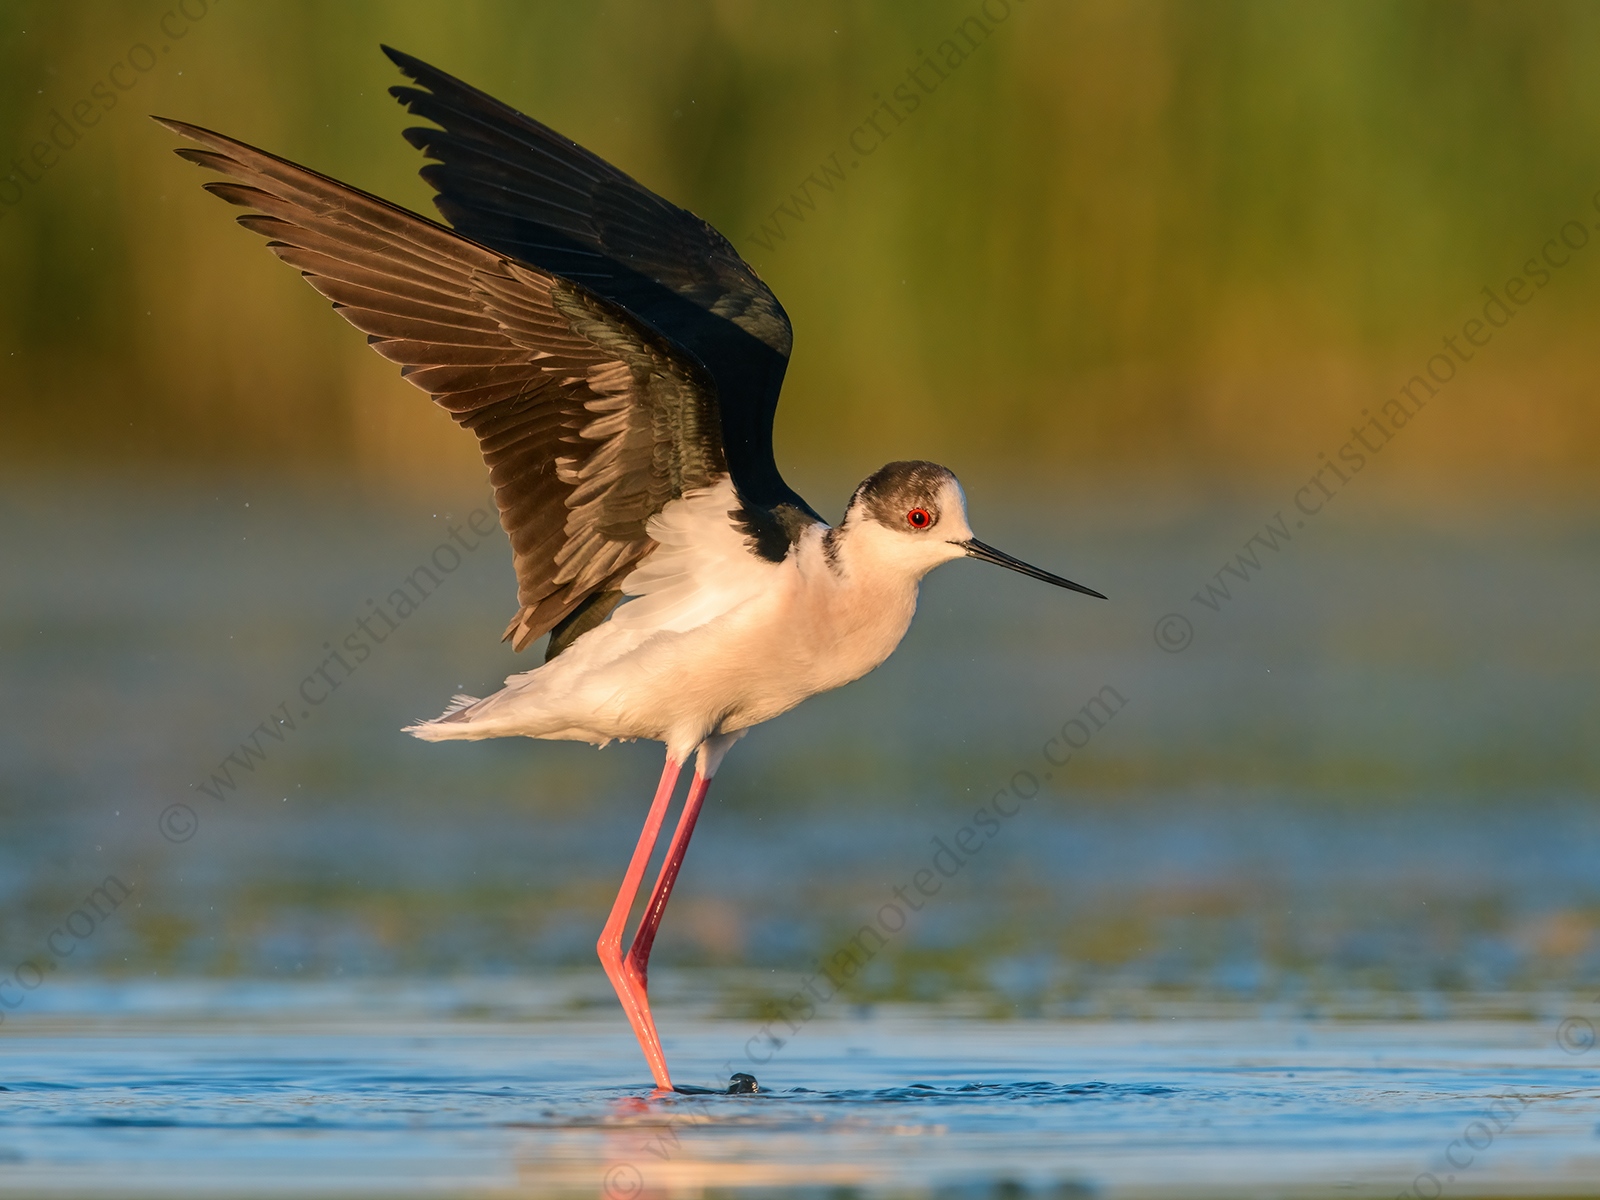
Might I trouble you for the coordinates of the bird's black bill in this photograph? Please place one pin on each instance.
(988, 554)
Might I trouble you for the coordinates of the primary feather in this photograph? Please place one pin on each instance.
(589, 421)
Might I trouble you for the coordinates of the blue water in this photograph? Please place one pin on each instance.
(326, 1089)
(1327, 885)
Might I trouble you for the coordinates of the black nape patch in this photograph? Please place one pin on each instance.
(830, 548)
(772, 532)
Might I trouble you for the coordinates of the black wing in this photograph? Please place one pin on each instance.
(511, 183)
(589, 421)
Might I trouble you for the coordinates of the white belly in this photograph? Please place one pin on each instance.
(716, 641)
(750, 665)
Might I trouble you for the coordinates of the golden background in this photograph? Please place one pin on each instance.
(1189, 238)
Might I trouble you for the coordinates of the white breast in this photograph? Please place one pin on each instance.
(713, 639)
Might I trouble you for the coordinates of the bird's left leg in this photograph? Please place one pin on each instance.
(631, 992)
(709, 759)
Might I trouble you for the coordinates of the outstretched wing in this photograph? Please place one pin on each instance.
(589, 421)
(507, 181)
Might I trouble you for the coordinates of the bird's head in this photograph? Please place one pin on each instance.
(912, 516)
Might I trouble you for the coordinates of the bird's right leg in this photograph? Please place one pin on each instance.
(630, 988)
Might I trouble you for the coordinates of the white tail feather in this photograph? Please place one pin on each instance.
(458, 715)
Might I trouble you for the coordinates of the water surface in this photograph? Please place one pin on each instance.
(340, 1089)
(1325, 887)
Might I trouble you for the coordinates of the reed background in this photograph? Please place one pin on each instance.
(1181, 237)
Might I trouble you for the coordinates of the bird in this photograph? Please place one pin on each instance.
(620, 365)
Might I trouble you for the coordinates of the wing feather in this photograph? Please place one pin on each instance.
(507, 181)
(589, 421)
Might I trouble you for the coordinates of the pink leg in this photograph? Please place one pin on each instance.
(628, 983)
(639, 956)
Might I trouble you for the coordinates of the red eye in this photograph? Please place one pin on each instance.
(919, 518)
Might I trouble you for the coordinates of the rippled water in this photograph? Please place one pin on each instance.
(332, 1089)
(1326, 887)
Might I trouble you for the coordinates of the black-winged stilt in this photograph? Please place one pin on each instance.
(620, 365)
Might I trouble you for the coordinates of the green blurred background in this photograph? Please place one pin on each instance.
(1191, 235)
(1129, 269)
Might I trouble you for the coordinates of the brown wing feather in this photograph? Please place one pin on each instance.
(589, 423)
